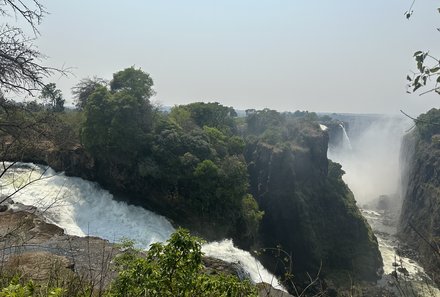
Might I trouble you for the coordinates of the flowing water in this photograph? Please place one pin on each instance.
(83, 208)
(370, 158)
(346, 140)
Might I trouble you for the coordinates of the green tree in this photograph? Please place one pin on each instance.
(98, 115)
(182, 117)
(251, 217)
(52, 97)
(259, 121)
(118, 121)
(428, 124)
(212, 114)
(82, 91)
(133, 81)
(129, 126)
(172, 269)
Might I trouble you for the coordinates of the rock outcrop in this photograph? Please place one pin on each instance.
(419, 224)
(38, 249)
(310, 214)
(35, 248)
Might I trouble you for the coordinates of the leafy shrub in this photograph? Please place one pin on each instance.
(172, 269)
(428, 124)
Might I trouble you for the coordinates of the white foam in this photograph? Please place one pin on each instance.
(82, 208)
(225, 250)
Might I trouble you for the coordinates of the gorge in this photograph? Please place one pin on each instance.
(308, 210)
(383, 168)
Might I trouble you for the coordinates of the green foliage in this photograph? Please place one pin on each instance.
(181, 116)
(428, 69)
(281, 129)
(29, 289)
(428, 124)
(118, 121)
(98, 114)
(258, 121)
(84, 89)
(210, 114)
(206, 170)
(129, 125)
(72, 124)
(172, 269)
(251, 215)
(133, 81)
(272, 136)
(217, 190)
(236, 145)
(189, 156)
(15, 289)
(34, 106)
(52, 97)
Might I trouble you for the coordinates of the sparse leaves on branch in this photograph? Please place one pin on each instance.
(428, 68)
(428, 73)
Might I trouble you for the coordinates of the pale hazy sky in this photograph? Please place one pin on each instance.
(317, 55)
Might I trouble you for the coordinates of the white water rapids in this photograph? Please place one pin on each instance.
(82, 208)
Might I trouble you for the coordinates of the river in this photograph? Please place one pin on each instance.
(83, 208)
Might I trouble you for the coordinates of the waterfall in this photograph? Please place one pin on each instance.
(370, 157)
(82, 208)
(346, 140)
(371, 170)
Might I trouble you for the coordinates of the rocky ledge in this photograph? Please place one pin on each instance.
(36, 248)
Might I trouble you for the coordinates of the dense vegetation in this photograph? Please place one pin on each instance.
(188, 162)
(428, 124)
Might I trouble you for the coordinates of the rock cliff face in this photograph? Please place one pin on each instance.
(74, 160)
(419, 224)
(310, 212)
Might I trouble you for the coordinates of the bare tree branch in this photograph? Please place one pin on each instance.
(21, 64)
(31, 11)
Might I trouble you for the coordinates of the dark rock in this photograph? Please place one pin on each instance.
(29, 243)
(419, 224)
(310, 214)
(215, 266)
(266, 290)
